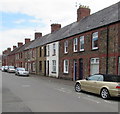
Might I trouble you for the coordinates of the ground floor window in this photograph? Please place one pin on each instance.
(54, 65)
(33, 66)
(66, 66)
(94, 67)
(26, 66)
(119, 66)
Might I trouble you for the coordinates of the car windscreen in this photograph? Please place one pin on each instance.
(12, 67)
(112, 78)
(21, 69)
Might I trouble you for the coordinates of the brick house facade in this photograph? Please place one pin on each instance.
(107, 53)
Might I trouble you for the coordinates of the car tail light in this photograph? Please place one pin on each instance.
(118, 86)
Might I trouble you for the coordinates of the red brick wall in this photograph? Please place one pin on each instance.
(101, 53)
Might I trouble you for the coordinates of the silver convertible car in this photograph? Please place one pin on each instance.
(21, 72)
(102, 84)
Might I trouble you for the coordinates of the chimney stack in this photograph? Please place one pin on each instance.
(82, 12)
(14, 47)
(55, 27)
(38, 35)
(20, 44)
(9, 49)
(27, 40)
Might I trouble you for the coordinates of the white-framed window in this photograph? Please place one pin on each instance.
(75, 44)
(95, 40)
(33, 66)
(54, 65)
(48, 50)
(54, 49)
(82, 43)
(94, 67)
(66, 66)
(66, 46)
(94, 60)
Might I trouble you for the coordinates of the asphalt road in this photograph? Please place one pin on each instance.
(44, 94)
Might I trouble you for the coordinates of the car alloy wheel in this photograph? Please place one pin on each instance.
(77, 87)
(105, 93)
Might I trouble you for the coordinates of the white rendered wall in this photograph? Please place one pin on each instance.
(50, 58)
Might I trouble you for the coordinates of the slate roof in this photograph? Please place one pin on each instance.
(101, 18)
(21, 48)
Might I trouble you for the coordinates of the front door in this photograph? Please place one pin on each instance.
(75, 70)
(80, 69)
(48, 68)
(44, 68)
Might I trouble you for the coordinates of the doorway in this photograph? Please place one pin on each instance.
(75, 71)
(44, 68)
(81, 69)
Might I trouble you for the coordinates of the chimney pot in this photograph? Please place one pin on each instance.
(38, 35)
(20, 44)
(82, 12)
(27, 40)
(55, 27)
(9, 49)
(14, 47)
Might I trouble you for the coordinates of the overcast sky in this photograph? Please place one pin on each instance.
(19, 19)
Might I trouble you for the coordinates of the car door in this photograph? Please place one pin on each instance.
(91, 84)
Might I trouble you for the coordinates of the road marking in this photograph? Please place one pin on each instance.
(107, 101)
(86, 98)
(78, 93)
(25, 85)
(64, 90)
(79, 97)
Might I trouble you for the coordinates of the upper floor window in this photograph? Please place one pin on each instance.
(66, 66)
(44, 51)
(33, 53)
(54, 49)
(82, 43)
(75, 44)
(40, 52)
(48, 50)
(66, 47)
(95, 40)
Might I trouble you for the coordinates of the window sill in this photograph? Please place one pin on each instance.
(94, 49)
(66, 53)
(82, 50)
(75, 51)
(53, 72)
(66, 73)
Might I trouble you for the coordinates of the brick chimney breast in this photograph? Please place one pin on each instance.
(20, 44)
(27, 40)
(38, 35)
(82, 12)
(55, 27)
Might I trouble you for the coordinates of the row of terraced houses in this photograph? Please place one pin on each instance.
(88, 46)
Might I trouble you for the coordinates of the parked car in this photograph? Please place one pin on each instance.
(21, 71)
(2, 68)
(5, 68)
(11, 69)
(105, 85)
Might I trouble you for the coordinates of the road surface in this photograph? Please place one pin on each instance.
(44, 94)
